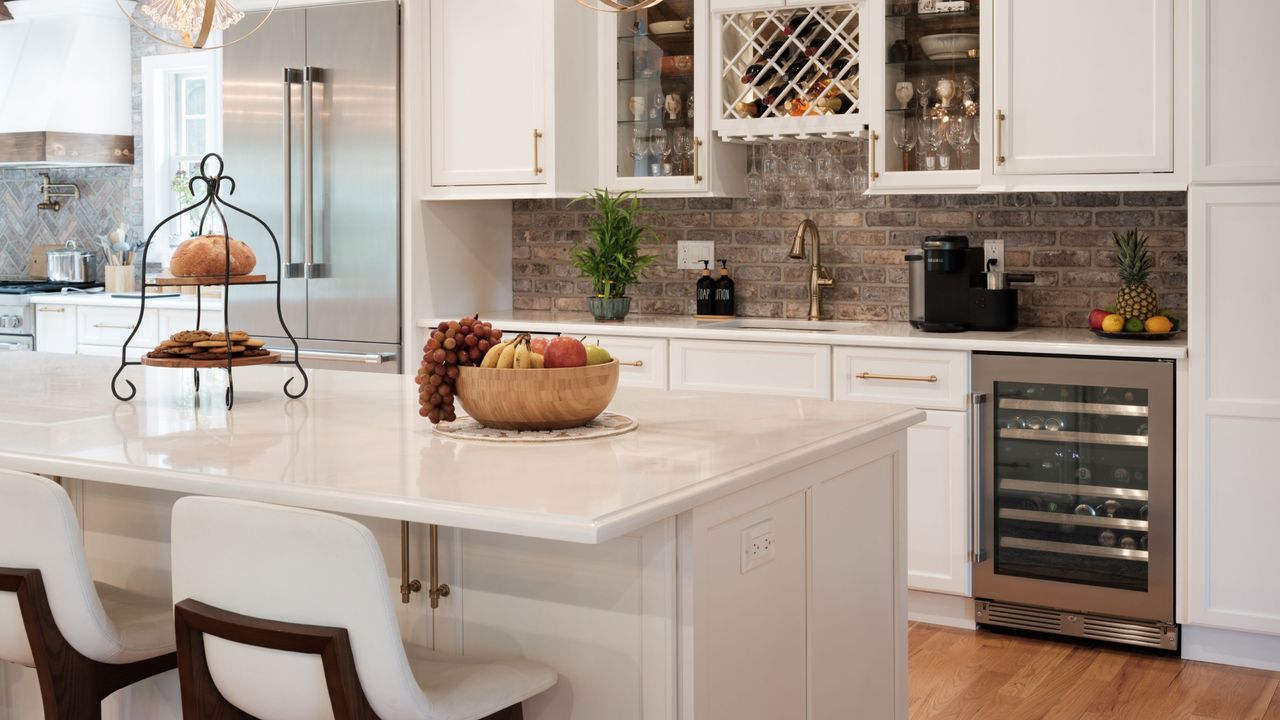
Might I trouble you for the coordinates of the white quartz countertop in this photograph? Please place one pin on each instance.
(105, 299)
(355, 443)
(1049, 341)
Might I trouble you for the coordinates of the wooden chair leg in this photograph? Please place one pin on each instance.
(72, 686)
(515, 712)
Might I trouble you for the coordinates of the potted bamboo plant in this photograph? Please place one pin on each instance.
(612, 259)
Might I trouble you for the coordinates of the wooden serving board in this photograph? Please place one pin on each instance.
(268, 359)
(207, 280)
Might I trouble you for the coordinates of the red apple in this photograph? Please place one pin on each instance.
(1095, 319)
(538, 345)
(565, 352)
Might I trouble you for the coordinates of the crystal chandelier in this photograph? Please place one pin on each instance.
(193, 21)
(618, 6)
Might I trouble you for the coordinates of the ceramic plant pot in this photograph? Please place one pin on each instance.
(609, 309)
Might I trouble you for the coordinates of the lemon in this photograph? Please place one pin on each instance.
(1113, 323)
(1159, 324)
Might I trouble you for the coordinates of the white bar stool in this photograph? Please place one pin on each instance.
(85, 640)
(285, 614)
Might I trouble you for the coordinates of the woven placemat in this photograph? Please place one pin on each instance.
(607, 425)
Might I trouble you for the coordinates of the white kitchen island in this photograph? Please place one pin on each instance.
(735, 557)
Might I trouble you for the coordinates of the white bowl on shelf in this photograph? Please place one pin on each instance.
(667, 27)
(948, 46)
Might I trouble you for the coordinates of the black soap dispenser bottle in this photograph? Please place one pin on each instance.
(724, 291)
(706, 297)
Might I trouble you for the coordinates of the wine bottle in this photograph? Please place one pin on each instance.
(792, 71)
(796, 106)
(1128, 543)
(1120, 476)
(1107, 538)
(774, 94)
(764, 66)
(1109, 508)
(751, 108)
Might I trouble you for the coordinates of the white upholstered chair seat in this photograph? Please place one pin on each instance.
(144, 624)
(466, 688)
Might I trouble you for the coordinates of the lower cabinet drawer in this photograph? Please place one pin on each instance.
(751, 367)
(650, 353)
(923, 378)
(111, 326)
(132, 353)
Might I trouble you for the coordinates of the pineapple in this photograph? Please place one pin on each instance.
(1136, 299)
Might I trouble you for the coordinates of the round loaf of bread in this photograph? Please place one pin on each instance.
(207, 255)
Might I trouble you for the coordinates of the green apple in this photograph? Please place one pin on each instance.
(597, 355)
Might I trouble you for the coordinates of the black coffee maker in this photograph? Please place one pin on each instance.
(952, 289)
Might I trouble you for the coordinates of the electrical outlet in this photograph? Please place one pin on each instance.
(993, 250)
(757, 545)
(691, 253)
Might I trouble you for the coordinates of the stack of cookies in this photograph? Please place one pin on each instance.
(204, 345)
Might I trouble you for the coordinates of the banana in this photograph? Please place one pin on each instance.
(508, 357)
(522, 359)
(491, 358)
(537, 361)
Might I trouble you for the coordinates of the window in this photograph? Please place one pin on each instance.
(182, 120)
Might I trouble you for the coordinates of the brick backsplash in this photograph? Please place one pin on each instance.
(1064, 238)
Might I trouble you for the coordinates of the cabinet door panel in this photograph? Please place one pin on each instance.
(937, 504)
(488, 90)
(1086, 86)
(760, 368)
(1231, 141)
(56, 328)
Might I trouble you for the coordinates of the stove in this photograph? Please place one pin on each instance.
(17, 319)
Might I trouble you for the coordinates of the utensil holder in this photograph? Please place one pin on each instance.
(119, 278)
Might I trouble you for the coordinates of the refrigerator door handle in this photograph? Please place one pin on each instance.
(309, 76)
(977, 417)
(292, 76)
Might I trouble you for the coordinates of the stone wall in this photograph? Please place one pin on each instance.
(1064, 238)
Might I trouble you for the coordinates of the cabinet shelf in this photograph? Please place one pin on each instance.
(936, 17)
(1053, 488)
(1017, 543)
(1075, 407)
(926, 65)
(1074, 436)
(1073, 519)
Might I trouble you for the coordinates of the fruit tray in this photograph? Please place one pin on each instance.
(1136, 335)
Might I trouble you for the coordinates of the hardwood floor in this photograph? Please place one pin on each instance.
(994, 676)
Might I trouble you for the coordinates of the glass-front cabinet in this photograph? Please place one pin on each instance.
(656, 135)
(926, 102)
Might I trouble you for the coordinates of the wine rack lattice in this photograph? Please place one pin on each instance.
(790, 71)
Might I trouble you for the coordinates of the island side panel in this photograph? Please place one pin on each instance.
(823, 548)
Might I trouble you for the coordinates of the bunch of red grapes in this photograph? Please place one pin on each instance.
(451, 345)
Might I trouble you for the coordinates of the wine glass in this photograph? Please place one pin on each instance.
(933, 131)
(904, 137)
(824, 168)
(660, 150)
(639, 153)
(754, 180)
(959, 134)
(682, 139)
(772, 170)
(923, 87)
(800, 177)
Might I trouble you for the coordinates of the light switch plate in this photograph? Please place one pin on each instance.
(691, 253)
(993, 249)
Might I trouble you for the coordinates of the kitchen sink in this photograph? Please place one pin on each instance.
(786, 325)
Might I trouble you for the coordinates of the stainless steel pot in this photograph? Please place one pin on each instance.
(70, 264)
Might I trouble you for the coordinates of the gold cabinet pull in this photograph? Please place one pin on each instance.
(904, 378)
(537, 167)
(632, 363)
(49, 309)
(697, 152)
(875, 174)
(111, 326)
(999, 137)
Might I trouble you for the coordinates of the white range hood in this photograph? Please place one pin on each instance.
(65, 84)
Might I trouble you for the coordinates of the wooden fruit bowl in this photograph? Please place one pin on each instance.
(537, 399)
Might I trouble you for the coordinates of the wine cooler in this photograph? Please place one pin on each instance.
(1074, 497)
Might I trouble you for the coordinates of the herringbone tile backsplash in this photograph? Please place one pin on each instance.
(101, 207)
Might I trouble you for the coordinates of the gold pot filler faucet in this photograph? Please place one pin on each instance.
(818, 275)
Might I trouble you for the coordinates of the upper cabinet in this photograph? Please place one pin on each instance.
(513, 111)
(655, 134)
(1084, 87)
(1234, 136)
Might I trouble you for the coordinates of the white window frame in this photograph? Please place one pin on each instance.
(159, 131)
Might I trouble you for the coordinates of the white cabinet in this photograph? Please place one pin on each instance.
(175, 321)
(1233, 119)
(512, 98)
(1233, 577)
(112, 326)
(55, 328)
(649, 353)
(938, 504)
(921, 378)
(747, 367)
(1085, 86)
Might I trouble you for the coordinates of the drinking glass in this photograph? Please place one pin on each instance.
(754, 180)
(959, 134)
(772, 170)
(639, 153)
(682, 141)
(933, 130)
(660, 151)
(799, 180)
(824, 169)
(904, 137)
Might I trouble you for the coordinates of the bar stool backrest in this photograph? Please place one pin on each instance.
(39, 531)
(297, 566)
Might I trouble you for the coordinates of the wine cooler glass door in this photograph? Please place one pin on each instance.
(1077, 484)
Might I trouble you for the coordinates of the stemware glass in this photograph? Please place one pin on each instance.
(933, 130)
(772, 170)
(904, 137)
(824, 168)
(959, 134)
(754, 180)
(924, 86)
(799, 180)
(660, 152)
(639, 153)
(682, 141)
(859, 182)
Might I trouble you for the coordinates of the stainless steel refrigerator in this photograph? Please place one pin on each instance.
(311, 107)
(1074, 521)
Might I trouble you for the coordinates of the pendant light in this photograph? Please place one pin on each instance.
(618, 6)
(193, 21)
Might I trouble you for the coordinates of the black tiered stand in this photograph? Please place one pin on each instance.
(213, 200)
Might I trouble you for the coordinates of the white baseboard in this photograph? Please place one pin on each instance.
(1231, 647)
(940, 609)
